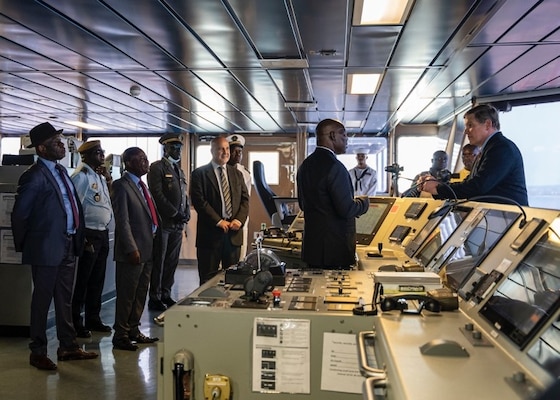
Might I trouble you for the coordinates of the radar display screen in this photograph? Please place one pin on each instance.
(527, 299)
(368, 224)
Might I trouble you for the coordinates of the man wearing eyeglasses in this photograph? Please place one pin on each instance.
(91, 180)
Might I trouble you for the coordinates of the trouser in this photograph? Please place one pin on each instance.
(167, 248)
(209, 258)
(132, 282)
(90, 278)
(53, 282)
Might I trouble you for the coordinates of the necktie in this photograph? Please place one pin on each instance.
(70, 193)
(225, 191)
(150, 203)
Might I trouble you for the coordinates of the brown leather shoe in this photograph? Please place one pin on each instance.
(78, 354)
(143, 339)
(41, 361)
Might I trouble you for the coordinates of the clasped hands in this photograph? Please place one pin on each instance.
(180, 218)
(227, 226)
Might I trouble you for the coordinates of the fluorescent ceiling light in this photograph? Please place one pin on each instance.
(380, 12)
(300, 104)
(84, 125)
(362, 83)
(353, 124)
(280, 63)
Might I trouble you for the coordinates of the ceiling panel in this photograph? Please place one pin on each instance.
(198, 63)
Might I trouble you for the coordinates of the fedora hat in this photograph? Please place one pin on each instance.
(40, 133)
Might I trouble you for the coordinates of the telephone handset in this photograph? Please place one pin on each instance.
(183, 374)
(400, 303)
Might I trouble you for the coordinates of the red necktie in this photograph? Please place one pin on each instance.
(62, 171)
(150, 203)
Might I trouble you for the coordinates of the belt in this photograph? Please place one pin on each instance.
(69, 235)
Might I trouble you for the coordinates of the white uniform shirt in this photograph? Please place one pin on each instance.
(364, 181)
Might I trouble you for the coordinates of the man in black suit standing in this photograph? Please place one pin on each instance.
(136, 222)
(168, 185)
(48, 228)
(220, 198)
(498, 169)
(326, 196)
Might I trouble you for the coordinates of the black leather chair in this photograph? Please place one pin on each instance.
(276, 206)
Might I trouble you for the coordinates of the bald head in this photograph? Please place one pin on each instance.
(332, 134)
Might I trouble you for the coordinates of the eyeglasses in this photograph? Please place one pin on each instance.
(99, 151)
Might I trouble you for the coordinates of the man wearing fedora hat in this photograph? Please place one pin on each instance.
(48, 228)
(168, 185)
(364, 178)
(91, 178)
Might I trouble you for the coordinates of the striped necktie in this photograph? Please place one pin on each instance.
(225, 191)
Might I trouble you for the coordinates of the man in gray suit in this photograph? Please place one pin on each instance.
(220, 198)
(136, 222)
(48, 228)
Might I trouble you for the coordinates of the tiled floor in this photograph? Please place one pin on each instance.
(116, 374)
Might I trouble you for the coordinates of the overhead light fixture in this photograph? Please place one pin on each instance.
(380, 12)
(353, 124)
(281, 63)
(362, 83)
(300, 104)
(84, 125)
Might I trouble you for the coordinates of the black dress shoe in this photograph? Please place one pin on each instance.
(98, 327)
(83, 333)
(77, 354)
(156, 305)
(124, 344)
(41, 361)
(168, 301)
(143, 339)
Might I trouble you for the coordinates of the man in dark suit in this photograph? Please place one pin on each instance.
(220, 198)
(168, 185)
(136, 222)
(498, 169)
(326, 196)
(48, 228)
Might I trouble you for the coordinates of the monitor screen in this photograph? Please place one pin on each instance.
(463, 260)
(368, 224)
(439, 233)
(527, 298)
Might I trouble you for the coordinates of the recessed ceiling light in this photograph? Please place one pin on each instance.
(280, 63)
(353, 124)
(380, 12)
(84, 125)
(300, 104)
(362, 83)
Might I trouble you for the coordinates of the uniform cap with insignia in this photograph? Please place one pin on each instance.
(87, 146)
(171, 138)
(236, 140)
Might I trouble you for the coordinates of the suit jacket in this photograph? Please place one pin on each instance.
(326, 196)
(39, 218)
(169, 191)
(498, 171)
(133, 221)
(206, 199)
